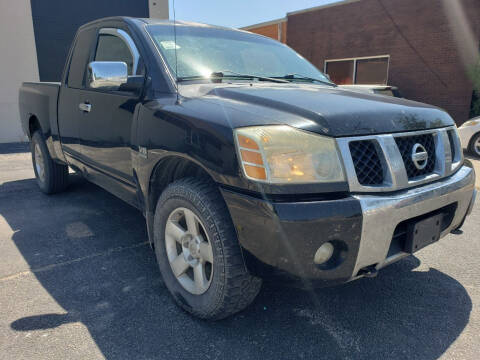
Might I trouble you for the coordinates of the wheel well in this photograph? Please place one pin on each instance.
(472, 138)
(33, 125)
(169, 170)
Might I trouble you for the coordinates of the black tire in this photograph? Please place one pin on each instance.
(55, 176)
(471, 147)
(232, 288)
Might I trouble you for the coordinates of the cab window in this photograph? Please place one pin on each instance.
(113, 48)
(80, 55)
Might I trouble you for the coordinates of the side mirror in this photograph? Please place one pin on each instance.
(134, 84)
(108, 75)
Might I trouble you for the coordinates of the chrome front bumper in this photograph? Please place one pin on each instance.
(382, 214)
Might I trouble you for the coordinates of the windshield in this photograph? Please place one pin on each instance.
(202, 51)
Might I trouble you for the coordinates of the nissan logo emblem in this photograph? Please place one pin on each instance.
(419, 156)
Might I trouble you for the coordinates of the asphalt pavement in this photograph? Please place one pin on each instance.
(79, 281)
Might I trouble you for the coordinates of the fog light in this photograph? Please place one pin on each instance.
(324, 253)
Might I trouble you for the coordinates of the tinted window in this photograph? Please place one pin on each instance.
(372, 71)
(366, 71)
(81, 53)
(112, 48)
(341, 72)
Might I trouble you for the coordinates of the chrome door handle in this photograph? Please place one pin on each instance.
(85, 107)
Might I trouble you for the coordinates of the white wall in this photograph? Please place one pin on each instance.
(18, 59)
(18, 62)
(158, 9)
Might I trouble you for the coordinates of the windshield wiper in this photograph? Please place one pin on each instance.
(304, 78)
(194, 77)
(221, 74)
(246, 76)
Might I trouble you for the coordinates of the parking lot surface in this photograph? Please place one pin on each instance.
(79, 281)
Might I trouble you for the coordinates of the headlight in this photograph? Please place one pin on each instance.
(471, 123)
(280, 154)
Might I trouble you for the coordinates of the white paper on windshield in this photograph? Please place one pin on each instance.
(169, 45)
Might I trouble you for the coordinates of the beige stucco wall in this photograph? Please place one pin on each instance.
(158, 9)
(18, 60)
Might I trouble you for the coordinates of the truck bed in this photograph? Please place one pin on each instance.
(39, 98)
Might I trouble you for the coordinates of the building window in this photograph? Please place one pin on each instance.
(341, 72)
(365, 70)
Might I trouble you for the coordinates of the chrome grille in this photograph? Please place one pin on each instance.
(367, 162)
(405, 145)
(451, 136)
(377, 163)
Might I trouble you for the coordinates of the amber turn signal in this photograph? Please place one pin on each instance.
(246, 142)
(255, 172)
(251, 157)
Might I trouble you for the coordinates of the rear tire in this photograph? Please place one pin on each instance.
(51, 177)
(474, 146)
(227, 287)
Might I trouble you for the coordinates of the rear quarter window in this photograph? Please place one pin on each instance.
(80, 57)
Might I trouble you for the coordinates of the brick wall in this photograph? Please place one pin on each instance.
(268, 30)
(424, 38)
(277, 30)
(284, 32)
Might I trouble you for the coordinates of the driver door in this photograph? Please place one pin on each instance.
(108, 115)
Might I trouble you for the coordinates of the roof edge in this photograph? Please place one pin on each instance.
(266, 23)
(321, 7)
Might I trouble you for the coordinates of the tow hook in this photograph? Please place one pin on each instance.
(368, 271)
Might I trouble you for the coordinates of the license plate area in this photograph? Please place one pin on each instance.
(423, 233)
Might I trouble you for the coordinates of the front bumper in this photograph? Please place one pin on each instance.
(281, 238)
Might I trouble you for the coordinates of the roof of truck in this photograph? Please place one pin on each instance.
(150, 21)
(153, 21)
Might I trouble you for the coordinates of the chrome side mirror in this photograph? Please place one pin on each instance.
(108, 75)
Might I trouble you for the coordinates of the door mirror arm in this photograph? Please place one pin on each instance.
(134, 84)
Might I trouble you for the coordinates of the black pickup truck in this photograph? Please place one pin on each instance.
(246, 161)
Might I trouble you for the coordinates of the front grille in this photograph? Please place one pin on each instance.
(405, 145)
(452, 143)
(366, 162)
(384, 162)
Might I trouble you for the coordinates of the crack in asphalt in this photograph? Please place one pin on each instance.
(73, 261)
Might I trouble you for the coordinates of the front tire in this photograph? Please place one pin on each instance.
(51, 177)
(475, 145)
(198, 251)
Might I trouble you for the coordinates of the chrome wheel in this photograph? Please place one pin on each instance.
(476, 146)
(189, 251)
(39, 163)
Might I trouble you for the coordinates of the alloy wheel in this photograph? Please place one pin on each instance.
(189, 251)
(39, 163)
(476, 146)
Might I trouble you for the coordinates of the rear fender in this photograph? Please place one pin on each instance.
(38, 110)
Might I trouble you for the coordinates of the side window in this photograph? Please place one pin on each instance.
(78, 63)
(113, 48)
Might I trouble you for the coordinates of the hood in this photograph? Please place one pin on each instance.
(322, 109)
